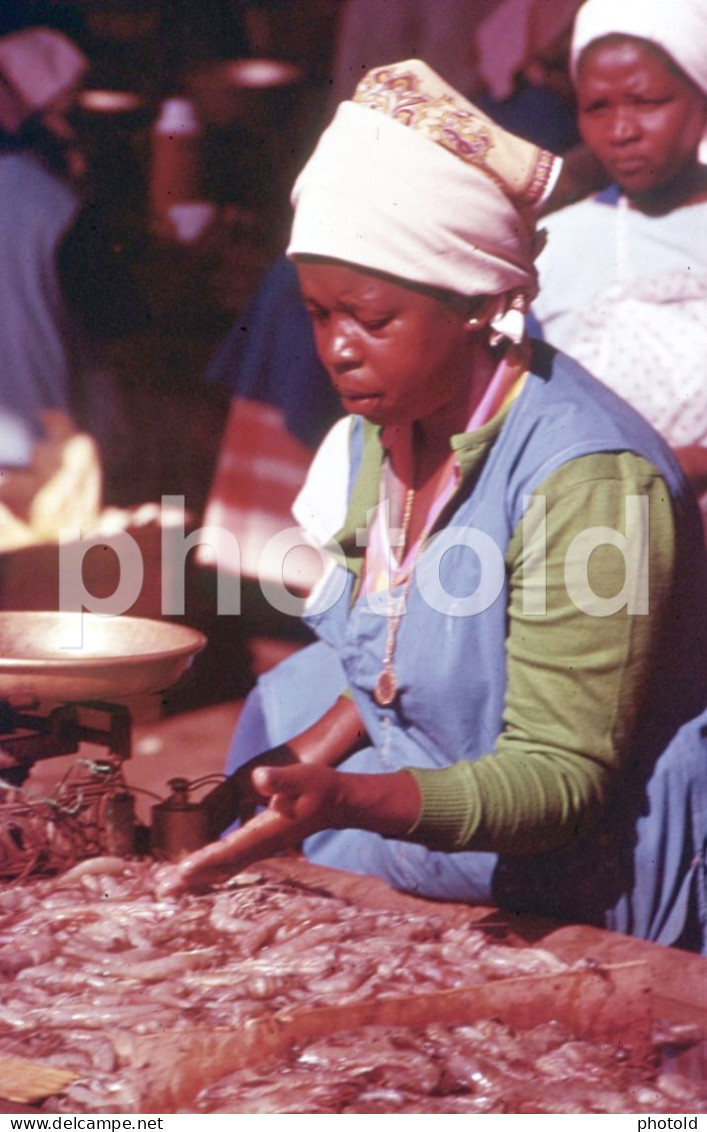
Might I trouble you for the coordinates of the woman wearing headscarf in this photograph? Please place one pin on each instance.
(505, 640)
(624, 274)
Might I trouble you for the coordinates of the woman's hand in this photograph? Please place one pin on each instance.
(301, 802)
(336, 735)
(236, 797)
(301, 793)
(303, 799)
(267, 834)
(313, 798)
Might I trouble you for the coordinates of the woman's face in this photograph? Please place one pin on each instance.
(394, 354)
(642, 118)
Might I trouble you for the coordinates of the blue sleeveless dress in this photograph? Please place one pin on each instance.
(642, 871)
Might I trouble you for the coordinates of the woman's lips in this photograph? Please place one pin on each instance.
(358, 395)
(628, 165)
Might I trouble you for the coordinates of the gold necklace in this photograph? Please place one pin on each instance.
(385, 690)
(386, 687)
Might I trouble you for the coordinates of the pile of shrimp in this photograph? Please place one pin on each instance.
(96, 953)
(484, 1068)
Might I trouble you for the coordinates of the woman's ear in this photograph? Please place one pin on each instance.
(483, 309)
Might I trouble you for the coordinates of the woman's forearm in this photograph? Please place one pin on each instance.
(388, 804)
(335, 736)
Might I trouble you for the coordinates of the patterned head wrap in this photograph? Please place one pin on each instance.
(37, 66)
(679, 27)
(412, 180)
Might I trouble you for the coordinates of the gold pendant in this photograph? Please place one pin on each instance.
(386, 688)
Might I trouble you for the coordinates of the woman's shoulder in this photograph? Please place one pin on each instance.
(591, 214)
(29, 189)
(595, 204)
(676, 240)
(579, 256)
(600, 211)
(566, 406)
(320, 507)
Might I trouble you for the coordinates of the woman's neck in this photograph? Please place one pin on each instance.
(432, 434)
(689, 188)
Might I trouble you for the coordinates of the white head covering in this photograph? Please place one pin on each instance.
(412, 180)
(679, 27)
(37, 66)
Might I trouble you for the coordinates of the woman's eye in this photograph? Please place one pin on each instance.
(377, 323)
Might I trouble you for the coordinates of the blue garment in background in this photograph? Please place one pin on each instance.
(668, 901)
(269, 355)
(535, 113)
(37, 364)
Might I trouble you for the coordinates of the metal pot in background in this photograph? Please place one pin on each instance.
(251, 110)
(114, 127)
(236, 91)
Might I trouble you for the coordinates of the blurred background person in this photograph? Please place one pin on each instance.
(523, 81)
(370, 34)
(624, 273)
(63, 292)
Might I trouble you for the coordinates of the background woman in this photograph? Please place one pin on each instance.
(494, 679)
(624, 275)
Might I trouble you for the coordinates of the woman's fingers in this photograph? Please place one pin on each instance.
(300, 803)
(172, 880)
(299, 793)
(273, 780)
(266, 834)
(280, 788)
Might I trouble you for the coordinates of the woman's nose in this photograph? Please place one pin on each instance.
(624, 126)
(342, 352)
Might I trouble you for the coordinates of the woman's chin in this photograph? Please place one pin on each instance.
(371, 407)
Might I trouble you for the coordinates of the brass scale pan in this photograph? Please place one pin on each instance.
(74, 657)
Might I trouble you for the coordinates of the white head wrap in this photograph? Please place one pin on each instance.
(37, 66)
(679, 27)
(412, 180)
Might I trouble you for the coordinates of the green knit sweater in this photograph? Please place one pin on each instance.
(575, 680)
